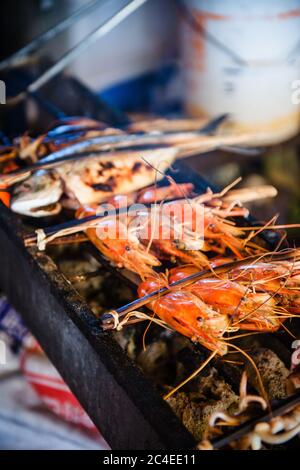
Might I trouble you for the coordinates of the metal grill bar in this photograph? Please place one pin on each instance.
(51, 33)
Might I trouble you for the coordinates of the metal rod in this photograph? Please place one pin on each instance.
(77, 222)
(38, 42)
(30, 238)
(53, 110)
(71, 55)
(107, 318)
(278, 410)
(137, 303)
(67, 240)
(247, 151)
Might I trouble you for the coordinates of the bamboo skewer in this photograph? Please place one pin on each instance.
(240, 195)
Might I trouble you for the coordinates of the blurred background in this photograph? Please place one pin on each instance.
(193, 57)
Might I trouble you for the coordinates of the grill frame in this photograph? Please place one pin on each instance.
(119, 399)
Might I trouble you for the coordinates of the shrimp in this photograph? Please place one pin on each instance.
(186, 313)
(208, 308)
(219, 233)
(151, 194)
(199, 226)
(280, 279)
(123, 249)
(212, 307)
(172, 191)
(185, 242)
(139, 226)
(256, 297)
(249, 310)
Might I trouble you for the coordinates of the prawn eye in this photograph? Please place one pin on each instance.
(127, 248)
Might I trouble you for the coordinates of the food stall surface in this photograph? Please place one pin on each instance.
(26, 424)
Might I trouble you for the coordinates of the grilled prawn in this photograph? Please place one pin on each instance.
(208, 308)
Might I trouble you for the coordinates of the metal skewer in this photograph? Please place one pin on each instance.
(29, 239)
(278, 409)
(48, 231)
(107, 319)
(51, 33)
(71, 55)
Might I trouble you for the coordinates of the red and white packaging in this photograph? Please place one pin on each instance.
(51, 388)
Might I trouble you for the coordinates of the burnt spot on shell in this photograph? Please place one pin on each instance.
(107, 165)
(108, 186)
(102, 187)
(136, 167)
(111, 181)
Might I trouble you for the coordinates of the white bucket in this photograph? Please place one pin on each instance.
(244, 64)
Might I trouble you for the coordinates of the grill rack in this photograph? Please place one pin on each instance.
(121, 401)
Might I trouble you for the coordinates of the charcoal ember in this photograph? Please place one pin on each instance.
(127, 340)
(116, 292)
(90, 289)
(154, 361)
(272, 370)
(102, 292)
(211, 393)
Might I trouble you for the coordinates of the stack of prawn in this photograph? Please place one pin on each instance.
(242, 287)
